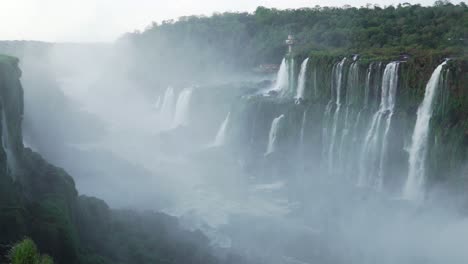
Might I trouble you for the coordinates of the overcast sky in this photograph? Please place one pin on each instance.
(105, 20)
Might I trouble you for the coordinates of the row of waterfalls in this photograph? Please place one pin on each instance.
(343, 121)
(174, 113)
(357, 122)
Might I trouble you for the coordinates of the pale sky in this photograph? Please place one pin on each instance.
(105, 20)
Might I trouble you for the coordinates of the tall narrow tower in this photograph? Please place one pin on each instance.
(290, 42)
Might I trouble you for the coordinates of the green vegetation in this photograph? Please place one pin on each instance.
(40, 201)
(242, 41)
(26, 252)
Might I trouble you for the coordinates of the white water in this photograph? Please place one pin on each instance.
(314, 76)
(367, 86)
(375, 145)
(157, 104)
(282, 78)
(301, 135)
(349, 114)
(167, 107)
(338, 81)
(10, 158)
(301, 81)
(273, 134)
(182, 108)
(221, 135)
(413, 189)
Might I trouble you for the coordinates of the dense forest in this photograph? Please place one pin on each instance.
(242, 41)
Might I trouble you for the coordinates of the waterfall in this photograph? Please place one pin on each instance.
(337, 80)
(273, 134)
(167, 107)
(157, 104)
(413, 189)
(351, 88)
(302, 80)
(367, 86)
(182, 108)
(221, 135)
(291, 69)
(282, 78)
(314, 82)
(10, 157)
(375, 145)
(301, 135)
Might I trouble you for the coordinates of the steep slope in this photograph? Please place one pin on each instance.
(39, 200)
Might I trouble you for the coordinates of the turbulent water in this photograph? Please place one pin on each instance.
(414, 187)
(376, 139)
(282, 78)
(337, 87)
(182, 110)
(301, 82)
(272, 136)
(168, 106)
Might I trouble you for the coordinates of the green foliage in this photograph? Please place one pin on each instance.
(26, 252)
(205, 45)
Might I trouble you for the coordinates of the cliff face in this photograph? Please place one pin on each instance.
(11, 100)
(356, 137)
(40, 201)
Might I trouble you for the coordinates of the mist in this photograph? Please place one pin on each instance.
(161, 122)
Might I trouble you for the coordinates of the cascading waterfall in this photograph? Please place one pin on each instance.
(367, 86)
(314, 82)
(282, 78)
(376, 140)
(337, 80)
(301, 82)
(413, 189)
(365, 104)
(291, 81)
(349, 115)
(157, 104)
(301, 134)
(221, 135)
(167, 107)
(182, 108)
(275, 125)
(326, 119)
(10, 157)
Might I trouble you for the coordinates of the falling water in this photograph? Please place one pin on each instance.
(221, 135)
(10, 158)
(337, 80)
(302, 80)
(413, 189)
(157, 104)
(367, 86)
(291, 81)
(273, 134)
(182, 108)
(167, 107)
(301, 135)
(314, 82)
(349, 114)
(282, 78)
(375, 144)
